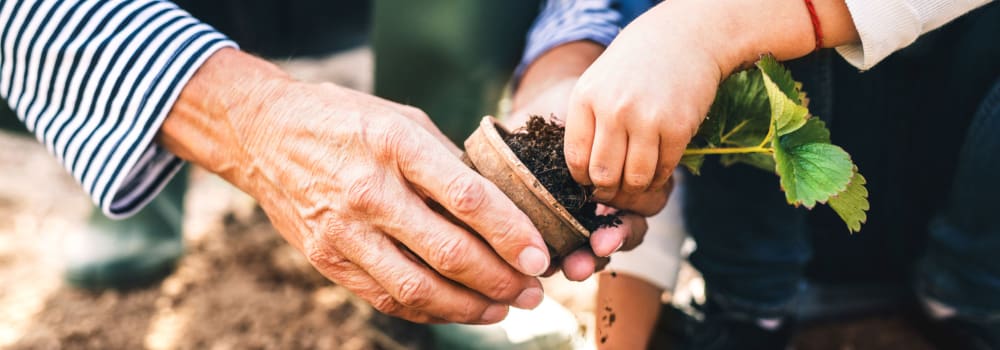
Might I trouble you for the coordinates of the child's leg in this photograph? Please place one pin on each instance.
(751, 245)
(961, 269)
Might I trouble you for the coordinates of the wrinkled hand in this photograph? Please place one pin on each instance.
(347, 178)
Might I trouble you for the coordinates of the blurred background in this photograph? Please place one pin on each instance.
(239, 286)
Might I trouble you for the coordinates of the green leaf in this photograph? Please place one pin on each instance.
(852, 204)
(739, 116)
(812, 172)
(786, 114)
(784, 95)
(761, 161)
(814, 131)
(781, 77)
(693, 163)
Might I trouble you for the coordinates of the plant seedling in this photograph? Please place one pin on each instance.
(760, 118)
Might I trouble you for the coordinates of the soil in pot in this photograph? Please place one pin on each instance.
(539, 145)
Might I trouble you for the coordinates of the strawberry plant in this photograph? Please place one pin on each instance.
(760, 118)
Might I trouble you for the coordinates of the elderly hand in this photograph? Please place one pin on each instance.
(352, 181)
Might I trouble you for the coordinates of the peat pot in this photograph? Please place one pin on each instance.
(488, 154)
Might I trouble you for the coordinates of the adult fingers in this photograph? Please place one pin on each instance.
(411, 285)
(579, 140)
(458, 255)
(477, 203)
(417, 115)
(335, 267)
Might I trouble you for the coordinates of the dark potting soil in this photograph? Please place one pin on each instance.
(539, 145)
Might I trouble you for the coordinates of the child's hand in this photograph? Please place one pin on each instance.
(545, 88)
(633, 112)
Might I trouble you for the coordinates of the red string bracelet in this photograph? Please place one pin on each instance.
(817, 30)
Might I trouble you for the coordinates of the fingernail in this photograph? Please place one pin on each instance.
(494, 313)
(533, 261)
(620, 244)
(600, 243)
(529, 298)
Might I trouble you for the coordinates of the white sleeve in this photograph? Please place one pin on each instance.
(658, 258)
(886, 26)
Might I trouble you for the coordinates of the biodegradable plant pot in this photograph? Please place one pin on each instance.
(488, 154)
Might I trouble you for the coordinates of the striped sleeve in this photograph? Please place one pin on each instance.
(564, 21)
(94, 80)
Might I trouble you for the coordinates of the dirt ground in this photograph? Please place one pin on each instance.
(239, 286)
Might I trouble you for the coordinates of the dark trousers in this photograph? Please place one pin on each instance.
(924, 128)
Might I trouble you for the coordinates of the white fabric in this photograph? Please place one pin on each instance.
(658, 259)
(885, 26)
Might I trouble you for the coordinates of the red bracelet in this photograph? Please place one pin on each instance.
(817, 30)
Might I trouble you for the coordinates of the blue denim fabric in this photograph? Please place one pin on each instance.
(752, 246)
(961, 268)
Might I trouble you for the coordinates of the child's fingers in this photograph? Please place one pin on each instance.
(640, 160)
(579, 265)
(624, 237)
(579, 140)
(671, 148)
(607, 157)
(646, 203)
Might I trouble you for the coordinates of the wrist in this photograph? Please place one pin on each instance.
(737, 32)
(560, 64)
(213, 122)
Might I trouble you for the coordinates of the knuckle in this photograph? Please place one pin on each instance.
(648, 118)
(503, 288)
(634, 183)
(471, 311)
(384, 136)
(387, 305)
(581, 91)
(364, 194)
(507, 232)
(325, 259)
(449, 256)
(624, 107)
(575, 159)
(414, 292)
(601, 176)
(466, 193)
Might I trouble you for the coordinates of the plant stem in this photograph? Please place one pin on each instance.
(732, 150)
(770, 134)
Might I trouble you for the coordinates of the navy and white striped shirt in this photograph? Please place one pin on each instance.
(94, 80)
